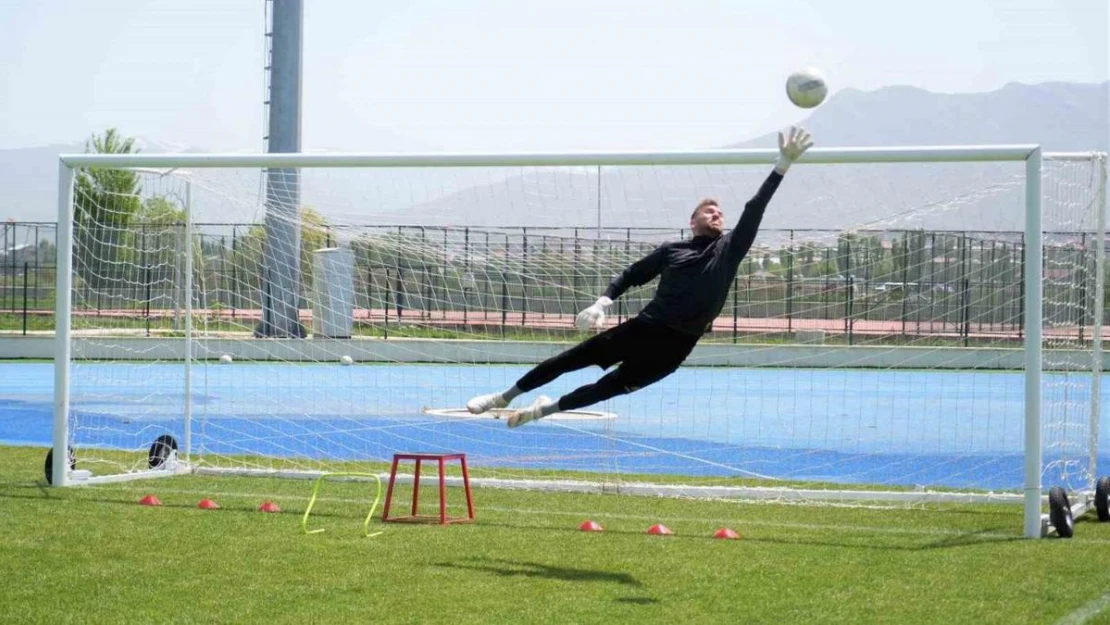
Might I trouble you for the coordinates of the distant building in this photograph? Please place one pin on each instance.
(18, 254)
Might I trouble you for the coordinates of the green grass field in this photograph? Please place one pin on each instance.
(93, 555)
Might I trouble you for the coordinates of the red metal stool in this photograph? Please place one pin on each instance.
(440, 459)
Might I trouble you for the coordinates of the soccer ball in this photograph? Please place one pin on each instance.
(345, 360)
(225, 359)
(806, 88)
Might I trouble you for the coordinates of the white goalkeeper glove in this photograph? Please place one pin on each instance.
(791, 145)
(594, 316)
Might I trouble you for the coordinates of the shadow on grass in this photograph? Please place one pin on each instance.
(510, 568)
(636, 600)
(970, 538)
(910, 541)
(985, 536)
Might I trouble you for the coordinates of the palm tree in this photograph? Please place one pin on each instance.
(105, 202)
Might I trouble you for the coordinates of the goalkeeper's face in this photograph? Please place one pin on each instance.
(707, 220)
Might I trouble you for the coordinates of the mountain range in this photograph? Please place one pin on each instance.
(973, 196)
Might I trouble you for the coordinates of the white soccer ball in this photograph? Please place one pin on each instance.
(806, 88)
(225, 359)
(345, 360)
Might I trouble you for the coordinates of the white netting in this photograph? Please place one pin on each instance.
(873, 337)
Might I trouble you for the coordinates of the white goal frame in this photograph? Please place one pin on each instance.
(1031, 155)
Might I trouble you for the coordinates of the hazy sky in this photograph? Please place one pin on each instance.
(513, 74)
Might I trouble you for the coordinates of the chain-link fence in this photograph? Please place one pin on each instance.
(901, 282)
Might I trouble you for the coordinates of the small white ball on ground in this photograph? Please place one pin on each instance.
(225, 359)
(806, 88)
(346, 360)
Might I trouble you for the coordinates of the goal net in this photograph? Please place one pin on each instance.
(885, 338)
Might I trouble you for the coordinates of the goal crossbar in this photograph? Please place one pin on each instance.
(916, 154)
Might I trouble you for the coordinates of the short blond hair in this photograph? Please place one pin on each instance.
(702, 204)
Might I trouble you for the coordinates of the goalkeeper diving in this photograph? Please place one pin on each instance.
(694, 279)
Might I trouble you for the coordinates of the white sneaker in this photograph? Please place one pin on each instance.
(484, 403)
(531, 413)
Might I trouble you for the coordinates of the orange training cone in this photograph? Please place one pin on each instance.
(590, 526)
(150, 500)
(660, 530)
(726, 533)
(208, 504)
(269, 506)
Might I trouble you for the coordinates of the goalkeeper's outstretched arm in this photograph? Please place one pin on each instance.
(791, 146)
(638, 273)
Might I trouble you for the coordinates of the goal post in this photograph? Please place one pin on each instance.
(63, 302)
(1034, 275)
(459, 295)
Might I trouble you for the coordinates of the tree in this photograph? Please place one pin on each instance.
(870, 257)
(747, 267)
(844, 245)
(107, 196)
(917, 255)
(787, 259)
(105, 202)
(155, 240)
(160, 211)
(808, 260)
(46, 252)
(314, 235)
(908, 256)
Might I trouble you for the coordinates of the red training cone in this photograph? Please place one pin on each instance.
(269, 506)
(725, 532)
(590, 526)
(660, 529)
(150, 500)
(208, 504)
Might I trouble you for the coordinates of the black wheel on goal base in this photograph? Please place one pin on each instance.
(160, 451)
(1059, 512)
(1102, 499)
(48, 467)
